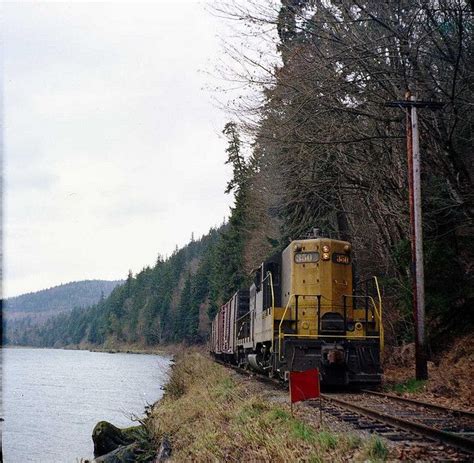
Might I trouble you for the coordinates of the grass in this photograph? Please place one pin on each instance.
(304, 432)
(279, 414)
(411, 385)
(328, 440)
(211, 414)
(377, 450)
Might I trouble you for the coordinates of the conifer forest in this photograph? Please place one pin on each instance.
(313, 142)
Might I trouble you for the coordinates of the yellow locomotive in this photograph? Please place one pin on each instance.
(303, 312)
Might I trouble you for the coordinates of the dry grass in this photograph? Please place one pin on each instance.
(450, 379)
(211, 414)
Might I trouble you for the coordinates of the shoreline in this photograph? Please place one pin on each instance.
(163, 349)
(89, 388)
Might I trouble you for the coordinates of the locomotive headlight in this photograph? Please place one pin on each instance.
(325, 250)
(347, 248)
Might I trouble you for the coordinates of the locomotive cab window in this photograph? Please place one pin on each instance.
(274, 269)
(258, 279)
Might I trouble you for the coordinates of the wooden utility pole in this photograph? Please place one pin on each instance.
(416, 241)
(416, 230)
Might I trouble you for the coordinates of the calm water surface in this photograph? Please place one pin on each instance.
(52, 399)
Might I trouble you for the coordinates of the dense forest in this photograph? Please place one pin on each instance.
(315, 144)
(61, 298)
(167, 303)
(23, 312)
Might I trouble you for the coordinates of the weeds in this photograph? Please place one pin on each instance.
(279, 414)
(327, 440)
(412, 385)
(377, 450)
(303, 431)
(225, 389)
(212, 415)
(249, 412)
(315, 459)
(354, 441)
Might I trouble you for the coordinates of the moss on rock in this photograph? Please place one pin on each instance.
(107, 437)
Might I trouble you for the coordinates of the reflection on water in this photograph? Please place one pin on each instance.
(53, 398)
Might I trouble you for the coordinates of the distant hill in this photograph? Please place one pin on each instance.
(172, 301)
(62, 298)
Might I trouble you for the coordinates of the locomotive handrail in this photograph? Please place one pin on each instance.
(379, 295)
(377, 310)
(244, 315)
(339, 336)
(282, 335)
(269, 275)
(241, 327)
(281, 323)
(378, 313)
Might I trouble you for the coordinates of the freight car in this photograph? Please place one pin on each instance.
(303, 311)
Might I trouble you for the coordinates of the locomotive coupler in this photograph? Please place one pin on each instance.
(333, 355)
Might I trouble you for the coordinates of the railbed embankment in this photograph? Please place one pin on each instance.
(210, 413)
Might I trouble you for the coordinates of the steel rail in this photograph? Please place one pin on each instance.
(421, 403)
(254, 374)
(454, 440)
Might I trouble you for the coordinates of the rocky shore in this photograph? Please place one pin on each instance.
(128, 445)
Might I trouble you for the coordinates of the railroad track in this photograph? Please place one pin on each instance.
(447, 433)
(454, 411)
(400, 419)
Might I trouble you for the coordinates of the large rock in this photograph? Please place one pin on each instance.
(107, 437)
(165, 450)
(126, 454)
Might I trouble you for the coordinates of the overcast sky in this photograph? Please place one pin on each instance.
(112, 149)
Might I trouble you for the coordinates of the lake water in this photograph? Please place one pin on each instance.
(53, 398)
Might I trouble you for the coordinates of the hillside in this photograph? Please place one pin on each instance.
(171, 301)
(25, 312)
(60, 298)
(326, 151)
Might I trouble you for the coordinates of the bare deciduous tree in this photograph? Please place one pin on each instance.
(332, 154)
